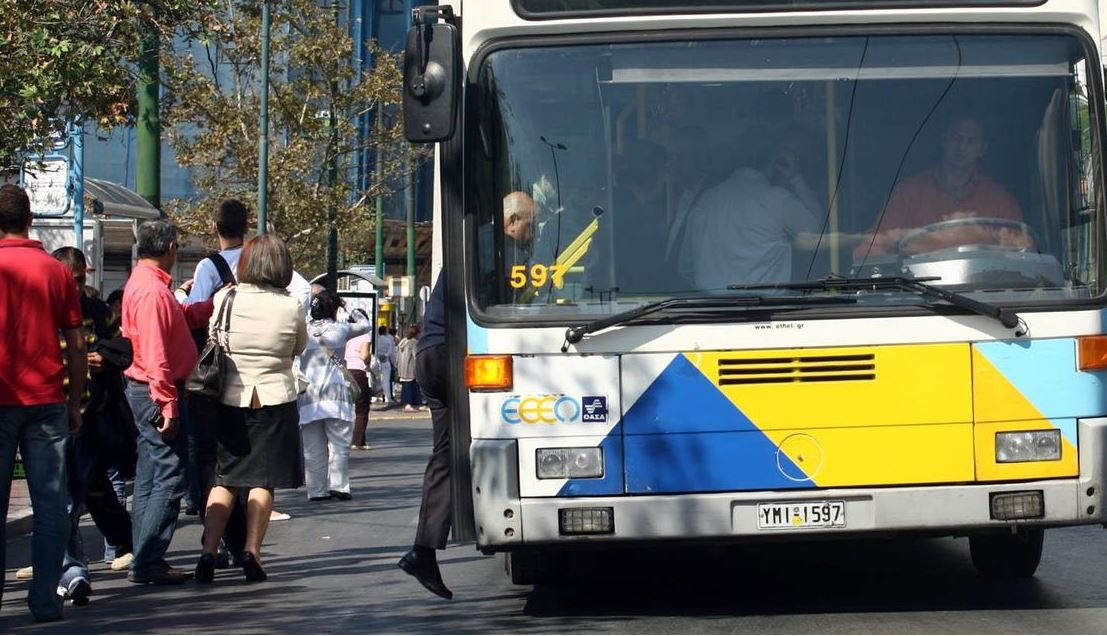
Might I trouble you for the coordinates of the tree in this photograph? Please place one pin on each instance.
(63, 59)
(317, 101)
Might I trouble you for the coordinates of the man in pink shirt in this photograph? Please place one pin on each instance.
(38, 300)
(164, 356)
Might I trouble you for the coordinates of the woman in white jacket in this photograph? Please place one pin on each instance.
(327, 407)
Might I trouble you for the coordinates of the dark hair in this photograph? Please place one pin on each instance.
(231, 219)
(265, 261)
(154, 238)
(114, 296)
(382, 330)
(412, 332)
(71, 257)
(324, 305)
(15, 209)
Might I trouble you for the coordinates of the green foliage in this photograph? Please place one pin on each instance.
(68, 58)
(212, 114)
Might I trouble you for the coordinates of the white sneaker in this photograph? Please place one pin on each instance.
(25, 574)
(122, 563)
(279, 516)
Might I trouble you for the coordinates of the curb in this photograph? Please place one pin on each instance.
(397, 415)
(19, 523)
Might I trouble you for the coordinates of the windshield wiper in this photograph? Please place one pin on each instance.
(574, 335)
(918, 285)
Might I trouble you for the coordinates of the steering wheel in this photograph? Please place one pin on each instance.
(995, 224)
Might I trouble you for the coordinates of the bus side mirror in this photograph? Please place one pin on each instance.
(432, 78)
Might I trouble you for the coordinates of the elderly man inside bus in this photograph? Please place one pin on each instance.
(954, 189)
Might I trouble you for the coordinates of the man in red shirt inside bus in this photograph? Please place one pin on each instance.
(164, 356)
(954, 189)
(38, 300)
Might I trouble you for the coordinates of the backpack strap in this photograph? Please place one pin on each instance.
(226, 276)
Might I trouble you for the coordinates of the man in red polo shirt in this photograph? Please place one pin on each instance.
(164, 355)
(954, 189)
(35, 414)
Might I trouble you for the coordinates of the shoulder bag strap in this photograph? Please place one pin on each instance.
(225, 308)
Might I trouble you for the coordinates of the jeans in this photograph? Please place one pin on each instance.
(410, 394)
(386, 382)
(119, 487)
(159, 480)
(40, 433)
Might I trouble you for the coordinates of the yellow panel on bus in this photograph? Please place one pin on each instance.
(861, 386)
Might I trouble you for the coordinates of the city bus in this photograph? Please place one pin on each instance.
(721, 271)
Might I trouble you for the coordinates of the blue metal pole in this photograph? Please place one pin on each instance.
(76, 134)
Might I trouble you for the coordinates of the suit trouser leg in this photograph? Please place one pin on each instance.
(436, 510)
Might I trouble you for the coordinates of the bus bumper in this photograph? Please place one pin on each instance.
(504, 520)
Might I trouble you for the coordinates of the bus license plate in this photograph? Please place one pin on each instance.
(810, 514)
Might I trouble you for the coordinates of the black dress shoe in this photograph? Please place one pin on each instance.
(341, 496)
(425, 570)
(205, 568)
(325, 498)
(158, 575)
(252, 568)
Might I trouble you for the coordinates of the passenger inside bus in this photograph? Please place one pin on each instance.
(952, 190)
(742, 230)
(639, 215)
(519, 216)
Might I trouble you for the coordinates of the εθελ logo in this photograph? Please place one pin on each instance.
(595, 408)
(540, 409)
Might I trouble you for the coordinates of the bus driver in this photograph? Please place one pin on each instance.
(954, 189)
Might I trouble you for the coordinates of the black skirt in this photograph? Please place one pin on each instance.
(259, 448)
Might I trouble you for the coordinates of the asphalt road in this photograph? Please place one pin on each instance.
(332, 570)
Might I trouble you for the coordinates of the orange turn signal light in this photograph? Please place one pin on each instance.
(489, 373)
(1091, 353)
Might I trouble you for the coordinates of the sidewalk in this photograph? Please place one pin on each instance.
(20, 519)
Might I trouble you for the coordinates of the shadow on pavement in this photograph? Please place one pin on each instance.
(848, 576)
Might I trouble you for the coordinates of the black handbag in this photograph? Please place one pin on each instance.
(206, 380)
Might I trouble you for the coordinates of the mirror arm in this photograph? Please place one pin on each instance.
(425, 17)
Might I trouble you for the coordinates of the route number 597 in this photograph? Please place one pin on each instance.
(538, 275)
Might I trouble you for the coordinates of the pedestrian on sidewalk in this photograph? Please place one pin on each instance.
(436, 510)
(36, 416)
(106, 437)
(160, 330)
(257, 429)
(358, 352)
(405, 369)
(385, 351)
(229, 223)
(327, 407)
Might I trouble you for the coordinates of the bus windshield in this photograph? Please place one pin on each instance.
(604, 177)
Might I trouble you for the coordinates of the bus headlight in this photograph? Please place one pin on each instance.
(1028, 446)
(569, 463)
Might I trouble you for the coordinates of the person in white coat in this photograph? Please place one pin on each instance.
(327, 407)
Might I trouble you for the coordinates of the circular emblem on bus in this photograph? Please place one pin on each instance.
(799, 457)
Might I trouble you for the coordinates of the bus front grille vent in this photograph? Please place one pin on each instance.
(812, 368)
